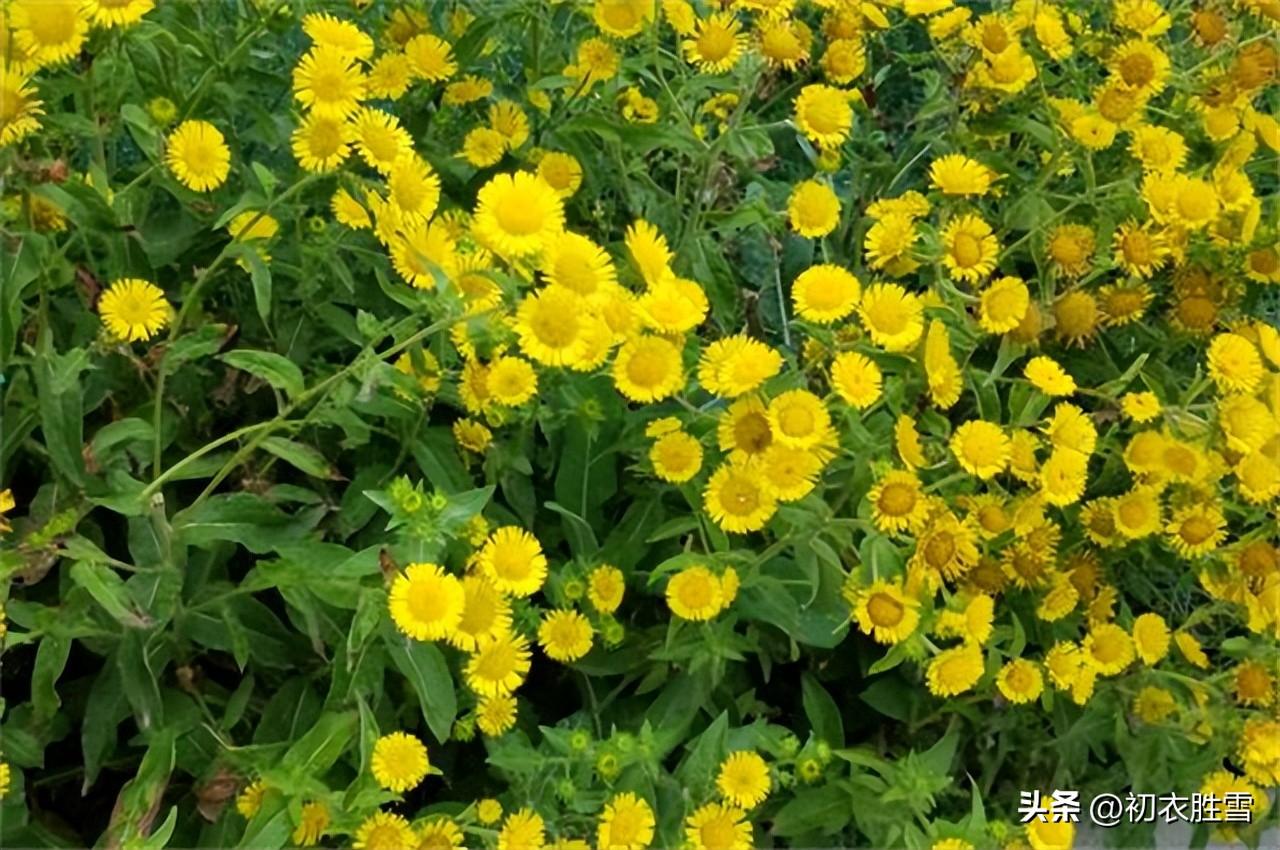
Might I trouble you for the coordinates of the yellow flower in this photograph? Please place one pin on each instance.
(390, 76)
(1150, 638)
(715, 826)
(134, 309)
(426, 603)
(384, 831)
(1158, 148)
(399, 762)
(744, 429)
(1020, 681)
(1071, 247)
(799, 418)
(813, 209)
(856, 379)
(430, 58)
(118, 13)
(509, 120)
(738, 498)
(825, 293)
(648, 369)
(954, 671)
(198, 156)
(561, 171)
(892, 316)
(605, 588)
(674, 305)
(494, 716)
(1196, 529)
(565, 635)
(649, 251)
(329, 82)
(441, 833)
(1140, 66)
(897, 502)
(421, 252)
(597, 61)
(885, 612)
(512, 558)
(321, 143)
(945, 547)
(1124, 303)
(1093, 131)
(466, 90)
(1254, 684)
(1078, 317)
(676, 457)
(1140, 406)
(312, 822)
(1051, 834)
(20, 109)
(981, 448)
(249, 800)
(957, 174)
(1153, 705)
(622, 18)
(379, 138)
(517, 215)
(823, 114)
(716, 44)
(1108, 648)
(1048, 377)
(1137, 513)
(695, 593)
(483, 147)
(626, 823)
(488, 811)
(498, 665)
(971, 249)
(744, 779)
(1003, 305)
(734, 365)
(49, 31)
(1234, 363)
(522, 830)
(888, 244)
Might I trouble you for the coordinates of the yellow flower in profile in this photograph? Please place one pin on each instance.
(249, 800)
(321, 143)
(825, 293)
(1020, 681)
(512, 558)
(561, 171)
(856, 379)
(1051, 834)
(716, 44)
(426, 603)
(430, 58)
(197, 155)
(442, 833)
(734, 365)
(954, 671)
(399, 762)
(715, 826)
(676, 457)
(313, 820)
(626, 823)
(522, 830)
(1046, 375)
(981, 448)
(517, 215)
(1003, 305)
(466, 90)
(1108, 648)
(486, 613)
(384, 831)
(1093, 131)
(330, 31)
(133, 309)
(648, 369)
(885, 612)
(1234, 363)
(605, 588)
(971, 249)
(565, 635)
(20, 109)
(813, 209)
(823, 114)
(1150, 638)
(957, 174)
(649, 251)
(48, 31)
(743, 779)
(329, 82)
(498, 665)
(738, 498)
(695, 593)
(118, 13)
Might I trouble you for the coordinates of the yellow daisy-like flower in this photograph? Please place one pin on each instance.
(892, 316)
(198, 156)
(1071, 247)
(813, 209)
(1003, 305)
(889, 242)
(897, 502)
(1140, 66)
(1234, 363)
(390, 76)
(442, 833)
(799, 418)
(384, 831)
(1108, 648)
(715, 826)
(885, 612)
(605, 588)
(249, 800)
(562, 171)
(495, 715)
(954, 671)
(330, 31)
(716, 44)
(329, 82)
(430, 58)
(970, 248)
(321, 143)
(423, 253)
(488, 811)
(499, 664)
(824, 115)
(1078, 317)
(981, 448)
(1046, 375)
(1137, 513)
(379, 138)
(522, 830)
(313, 820)
(1150, 638)
(738, 498)
(399, 762)
(744, 429)
(511, 380)
(648, 369)
(426, 603)
(856, 379)
(744, 779)
(118, 13)
(565, 635)
(134, 309)
(957, 174)
(676, 457)
(1196, 529)
(486, 613)
(517, 215)
(626, 823)
(1020, 681)
(732, 366)
(512, 558)
(622, 18)
(825, 293)
(20, 109)
(48, 31)
(1140, 406)
(695, 593)
(483, 147)
(1254, 684)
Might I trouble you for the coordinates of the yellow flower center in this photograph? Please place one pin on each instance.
(740, 496)
(824, 114)
(517, 216)
(646, 369)
(1196, 530)
(1137, 70)
(884, 610)
(995, 38)
(53, 24)
(715, 43)
(796, 421)
(966, 250)
(940, 549)
(1264, 261)
(751, 433)
(897, 499)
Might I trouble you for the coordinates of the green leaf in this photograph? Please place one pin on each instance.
(318, 750)
(280, 372)
(826, 810)
(139, 679)
(582, 540)
(300, 456)
(51, 660)
(698, 768)
(425, 668)
(140, 800)
(108, 590)
(260, 275)
(822, 711)
(61, 406)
